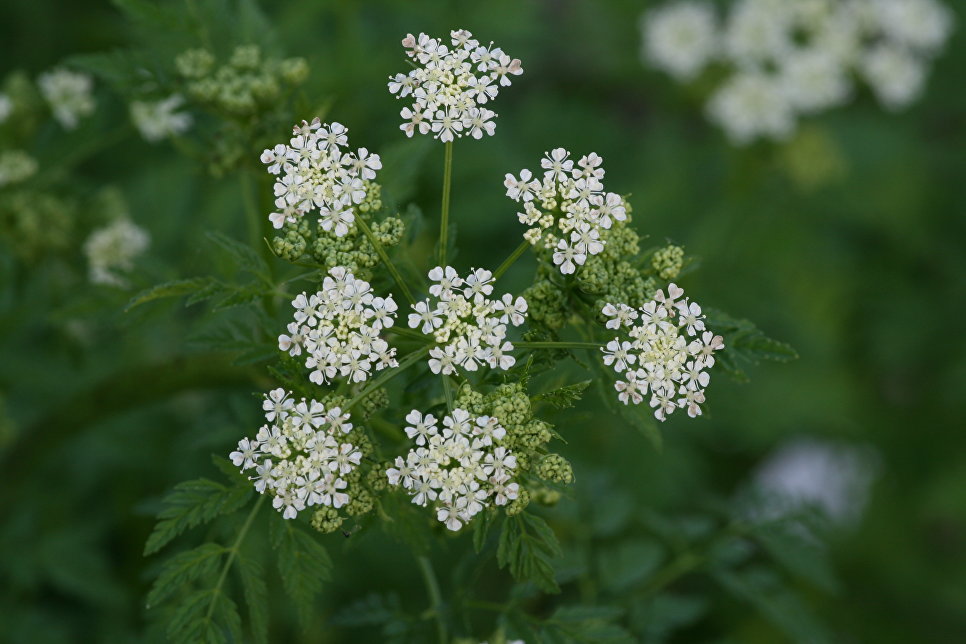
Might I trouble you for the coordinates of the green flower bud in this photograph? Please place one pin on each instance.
(326, 520)
(555, 468)
(194, 63)
(667, 262)
(519, 504)
(246, 57)
(294, 71)
(360, 504)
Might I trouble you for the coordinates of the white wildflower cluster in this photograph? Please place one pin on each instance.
(313, 171)
(298, 456)
(111, 251)
(452, 85)
(789, 59)
(16, 166)
(157, 120)
(567, 210)
(469, 328)
(338, 328)
(68, 94)
(667, 354)
(460, 468)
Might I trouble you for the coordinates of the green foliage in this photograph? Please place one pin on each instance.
(746, 344)
(302, 563)
(193, 503)
(184, 568)
(564, 397)
(256, 597)
(527, 546)
(575, 624)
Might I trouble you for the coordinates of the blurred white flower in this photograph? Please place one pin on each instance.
(157, 120)
(752, 105)
(68, 94)
(895, 75)
(16, 166)
(111, 251)
(680, 38)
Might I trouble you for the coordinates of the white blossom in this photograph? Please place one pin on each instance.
(469, 327)
(69, 95)
(567, 209)
(337, 328)
(458, 469)
(314, 172)
(680, 38)
(157, 120)
(299, 457)
(666, 355)
(450, 85)
(111, 251)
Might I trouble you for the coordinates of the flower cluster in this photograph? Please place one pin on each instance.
(68, 94)
(159, 119)
(313, 171)
(796, 58)
(111, 250)
(459, 468)
(299, 456)
(16, 166)
(338, 329)
(451, 85)
(469, 328)
(667, 354)
(567, 210)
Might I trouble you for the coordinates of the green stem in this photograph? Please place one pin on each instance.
(444, 216)
(509, 261)
(678, 567)
(409, 333)
(388, 375)
(435, 597)
(377, 245)
(251, 211)
(232, 553)
(557, 345)
(448, 392)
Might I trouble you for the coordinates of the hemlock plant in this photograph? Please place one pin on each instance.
(425, 407)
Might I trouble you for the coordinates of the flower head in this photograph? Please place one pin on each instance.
(111, 251)
(159, 119)
(451, 85)
(68, 94)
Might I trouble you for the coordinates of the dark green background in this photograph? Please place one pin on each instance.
(865, 277)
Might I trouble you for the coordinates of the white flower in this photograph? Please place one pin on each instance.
(567, 210)
(468, 327)
(814, 80)
(16, 166)
(313, 172)
(450, 84)
(751, 106)
(896, 77)
(111, 251)
(657, 358)
(459, 470)
(158, 119)
(299, 457)
(68, 94)
(680, 38)
(920, 25)
(338, 329)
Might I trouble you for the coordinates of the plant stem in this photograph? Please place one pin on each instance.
(509, 261)
(435, 598)
(448, 392)
(557, 345)
(232, 553)
(251, 211)
(411, 334)
(377, 245)
(678, 567)
(389, 374)
(444, 216)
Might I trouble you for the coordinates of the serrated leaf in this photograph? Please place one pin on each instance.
(585, 624)
(745, 344)
(245, 257)
(303, 563)
(184, 568)
(256, 597)
(564, 397)
(193, 503)
(527, 545)
(175, 288)
(481, 529)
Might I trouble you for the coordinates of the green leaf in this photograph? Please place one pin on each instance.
(372, 610)
(184, 568)
(797, 555)
(481, 529)
(745, 344)
(193, 503)
(256, 597)
(564, 397)
(303, 563)
(175, 288)
(591, 624)
(527, 545)
(245, 257)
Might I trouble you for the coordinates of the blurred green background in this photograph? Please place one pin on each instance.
(864, 275)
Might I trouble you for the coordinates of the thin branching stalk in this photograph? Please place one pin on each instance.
(557, 345)
(389, 374)
(232, 553)
(435, 597)
(509, 261)
(400, 282)
(444, 215)
(448, 392)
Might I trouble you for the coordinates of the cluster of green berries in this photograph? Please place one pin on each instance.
(668, 261)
